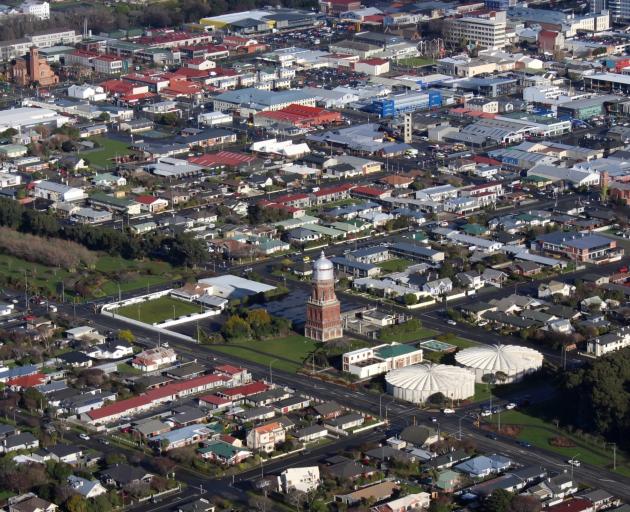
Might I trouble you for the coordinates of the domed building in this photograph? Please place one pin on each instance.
(419, 382)
(513, 361)
(323, 311)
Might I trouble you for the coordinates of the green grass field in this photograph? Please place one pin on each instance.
(396, 265)
(538, 432)
(405, 337)
(47, 280)
(294, 347)
(158, 310)
(107, 150)
(415, 62)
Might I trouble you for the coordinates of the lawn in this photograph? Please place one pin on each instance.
(415, 62)
(482, 393)
(538, 432)
(395, 265)
(47, 280)
(405, 333)
(107, 150)
(293, 350)
(127, 370)
(40, 277)
(158, 310)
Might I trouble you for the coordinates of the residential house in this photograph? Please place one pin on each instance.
(410, 502)
(30, 503)
(344, 468)
(181, 437)
(328, 410)
(555, 288)
(482, 466)
(346, 421)
(121, 475)
(609, 342)
(19, 441)
(86, 488)
(373, 493)
(418, 436)
(66, 453)
(310, 434)
(303, 479)
(266, 437)
(224, 453)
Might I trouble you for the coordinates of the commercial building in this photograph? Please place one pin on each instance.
(484, 30)
(297, 116)
(568, 24)
(406, 102)
(367, 362)
(45, 39)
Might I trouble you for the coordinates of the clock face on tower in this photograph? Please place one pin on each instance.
(323, 311)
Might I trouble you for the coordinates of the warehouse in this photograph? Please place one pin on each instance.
(503, 363)
(418, 383)
(26, 117)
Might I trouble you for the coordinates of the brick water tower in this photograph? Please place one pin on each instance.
(323, 311)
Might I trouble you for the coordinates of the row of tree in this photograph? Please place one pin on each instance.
(257, 324)
(604, 404)
(181, 249)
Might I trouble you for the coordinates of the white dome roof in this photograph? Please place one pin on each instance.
(509, 359)
(429, 378)
(322, 263)
(323, 269)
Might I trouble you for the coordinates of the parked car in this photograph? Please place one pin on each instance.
(486, 412)
(85, 437)
(510, 406)
(451, 322)
(448, 411)
(574, 462)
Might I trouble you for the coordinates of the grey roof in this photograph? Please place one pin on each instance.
(416, 434)
(20, 439)
(253, 96)
(575, 239)
(307, 431)
(327, 408)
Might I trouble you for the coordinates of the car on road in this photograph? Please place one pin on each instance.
(433, 419)
(85, 437)
(451, 322)
(492, 436)
(103, 441)
(486, 412)
(448, 411)
(510, 406)
(574, 462)
(524, 444)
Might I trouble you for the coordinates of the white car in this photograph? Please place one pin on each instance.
(451, 322)
(487, 412)
(510, 406)
(574, 462)
(448, 411)
(85, 437)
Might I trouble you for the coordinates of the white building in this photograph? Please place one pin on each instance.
(154, 358)
(266, 437)
(487, 31)
(87, 92)
(57, 192)
(27, 117)
(214, 118)
(609, 342)
(300, 479)
(38, 10)
(367, 362)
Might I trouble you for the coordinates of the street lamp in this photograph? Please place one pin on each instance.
(271, 371)
(614, 445)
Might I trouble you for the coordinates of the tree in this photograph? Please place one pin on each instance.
(126, 335)
(103, 116)
(525, 504)
(498, 501)
(76, 503)
(260, 503)
(440, 504)
(236, 328)
(259, 322)
(410, 299)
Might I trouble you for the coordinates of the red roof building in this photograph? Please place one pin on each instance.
(172, 391)
(370, 192)
(214, 401)
(121, 87)
(244, 391)
(26, 381)
(300, 116)
(336, 193)
(223, 158)
(574, 505)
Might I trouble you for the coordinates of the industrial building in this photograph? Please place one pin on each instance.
(406, 102)
(251, 100)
